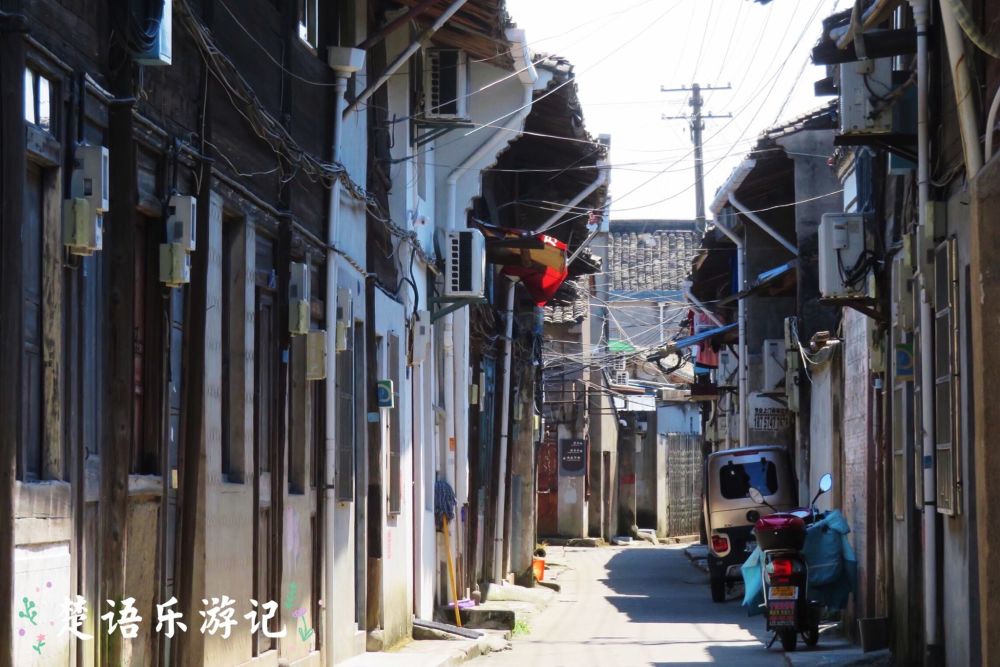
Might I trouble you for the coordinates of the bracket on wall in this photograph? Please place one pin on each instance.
(866, 306)
(452, 305)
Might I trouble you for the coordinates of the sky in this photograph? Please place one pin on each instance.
(624, 51)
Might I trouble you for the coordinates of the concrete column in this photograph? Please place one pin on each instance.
(986, 354)
(522, 489)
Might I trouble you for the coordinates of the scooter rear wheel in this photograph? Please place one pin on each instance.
(789, 638)
(811, 636)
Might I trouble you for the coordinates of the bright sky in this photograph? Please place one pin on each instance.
(623, 51)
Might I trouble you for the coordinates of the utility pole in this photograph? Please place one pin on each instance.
(697, 120)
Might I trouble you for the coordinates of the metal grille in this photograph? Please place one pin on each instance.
(684, 476)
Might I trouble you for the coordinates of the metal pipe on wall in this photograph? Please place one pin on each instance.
(757, 220)
(498, 573)
(741, 265)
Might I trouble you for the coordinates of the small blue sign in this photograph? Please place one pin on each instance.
(386, 394)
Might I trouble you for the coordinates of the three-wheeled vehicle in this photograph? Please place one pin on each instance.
(730, 513)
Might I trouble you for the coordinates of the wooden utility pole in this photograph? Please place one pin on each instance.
(697, 120)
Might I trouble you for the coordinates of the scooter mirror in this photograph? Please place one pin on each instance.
(825, 483)
(756, 495)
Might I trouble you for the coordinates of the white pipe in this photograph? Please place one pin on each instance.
(991, 123)
(756, 219)
(967, 118)
(603, 174)
(404, 56)
(920, 16)
(456, 357)
(330, 383)
(741, 267)
(498, 573)
(698, 305)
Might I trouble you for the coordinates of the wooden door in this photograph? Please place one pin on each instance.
(548, 486)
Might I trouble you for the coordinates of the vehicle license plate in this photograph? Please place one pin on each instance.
(783, 593)
(751, 545)
(781, 613)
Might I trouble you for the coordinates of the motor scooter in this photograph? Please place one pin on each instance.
(791, 610)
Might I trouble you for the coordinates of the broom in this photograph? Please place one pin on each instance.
(444, 509)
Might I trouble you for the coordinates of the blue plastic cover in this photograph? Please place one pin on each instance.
(833, 567)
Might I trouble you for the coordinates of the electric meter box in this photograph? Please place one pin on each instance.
(182, 219)
(90, 177)
(175, 265)
(83, 230)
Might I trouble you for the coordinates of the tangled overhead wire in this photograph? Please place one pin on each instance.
(272, 132)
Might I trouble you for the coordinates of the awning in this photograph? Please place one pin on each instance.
(770, 278)
(682, 343)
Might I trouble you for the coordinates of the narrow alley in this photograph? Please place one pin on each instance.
(637, 605)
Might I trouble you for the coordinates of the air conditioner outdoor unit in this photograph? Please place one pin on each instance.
(465, 264)
(621, 377)
(841, 246)
(774, 363)
(864, 87)
(446, 84)
(161, 52)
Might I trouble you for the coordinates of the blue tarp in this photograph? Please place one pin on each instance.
(833, 567)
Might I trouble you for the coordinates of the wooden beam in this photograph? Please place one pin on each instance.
(12, 182)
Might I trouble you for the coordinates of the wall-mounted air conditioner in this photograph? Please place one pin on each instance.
(842, 267)
(182, 218)
(865, 101)
(621, 377)
(774, 364)
(465, 264)
(298, 299)
(161, 51)
(446, 84)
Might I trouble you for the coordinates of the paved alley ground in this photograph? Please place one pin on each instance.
(635, 606)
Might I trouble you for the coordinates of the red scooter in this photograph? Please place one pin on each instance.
(785, 572)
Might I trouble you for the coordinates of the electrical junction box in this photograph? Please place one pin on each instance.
(316, 355)
(175, 265)
(726, 374)
(182, 217)
(298, 299)
(345, 301)
(386, 394)
(774, 364)
(421, 336)
(161, 52)
(865, 106)
(841, 247)
(83, 230)
(90, 177)
(465, 264)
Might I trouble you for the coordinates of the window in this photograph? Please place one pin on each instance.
(147, 351)
(30, 465)
(946, 376)
(37, 100)
(902, 437)
(736, 479)
(309, 22)
(395, 433)
(238, 300)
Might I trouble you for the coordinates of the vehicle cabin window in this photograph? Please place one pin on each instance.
(736, 479)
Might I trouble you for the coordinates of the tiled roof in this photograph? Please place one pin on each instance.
(576, 310)
(650, 259)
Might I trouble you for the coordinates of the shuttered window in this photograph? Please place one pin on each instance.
(946, 376)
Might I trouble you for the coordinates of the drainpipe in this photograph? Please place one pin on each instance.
(403, 57)
(757, 220)
(456, 357)
(741, 266)
(344, 61)
(932, 639)
(698, 305)
(498, 573)
(964, 92)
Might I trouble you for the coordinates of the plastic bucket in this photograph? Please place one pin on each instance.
(538, 567)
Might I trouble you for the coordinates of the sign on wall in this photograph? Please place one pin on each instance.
(769, 418)
(572, 457)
